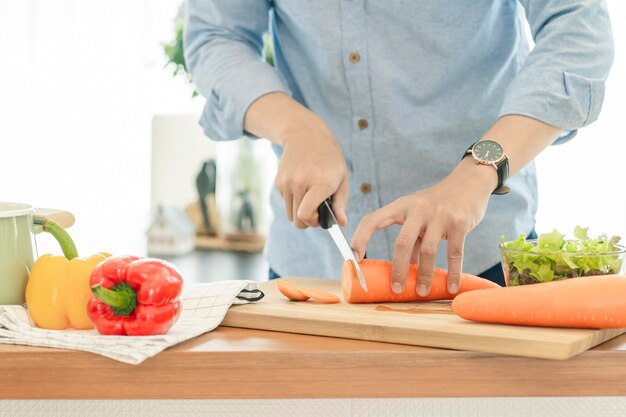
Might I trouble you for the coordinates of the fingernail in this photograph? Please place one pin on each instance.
(453, 288)
(397, 288)
(422, 291)
(356, 255)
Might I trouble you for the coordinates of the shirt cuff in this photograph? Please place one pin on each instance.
(561, 99)
(223, 114)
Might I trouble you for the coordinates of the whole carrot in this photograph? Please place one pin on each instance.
(596, 302)
(377, 274)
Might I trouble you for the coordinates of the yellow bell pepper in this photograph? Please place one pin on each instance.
(58, 288)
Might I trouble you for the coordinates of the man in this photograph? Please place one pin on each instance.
(381, 105)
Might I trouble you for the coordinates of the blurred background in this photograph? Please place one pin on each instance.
(94, 121)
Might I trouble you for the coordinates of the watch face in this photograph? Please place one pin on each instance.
(488, 151)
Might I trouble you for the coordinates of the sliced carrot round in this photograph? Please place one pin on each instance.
(320, 296)
(291, 291)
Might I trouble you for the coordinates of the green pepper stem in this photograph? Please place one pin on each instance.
(67, 244)
(121, 298)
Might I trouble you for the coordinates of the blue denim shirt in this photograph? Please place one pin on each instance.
(429, 77)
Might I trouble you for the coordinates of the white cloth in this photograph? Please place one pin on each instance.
(204, 308)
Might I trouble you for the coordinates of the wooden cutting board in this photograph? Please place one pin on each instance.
(423, 324)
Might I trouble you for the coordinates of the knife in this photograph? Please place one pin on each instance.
(329, 222)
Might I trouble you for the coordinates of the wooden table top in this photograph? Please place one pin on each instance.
(233, 363)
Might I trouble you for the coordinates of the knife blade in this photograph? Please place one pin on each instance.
(328, 221)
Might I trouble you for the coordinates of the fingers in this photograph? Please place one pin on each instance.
(340, 202)
(418, 240)
(402, 252)
(301, 205)
(391, 214)
(288, 198)
(307, 211)
(297, 201)
(312, 168)
(455, 261)
(415, 256)
(427, 257)
(284, 189)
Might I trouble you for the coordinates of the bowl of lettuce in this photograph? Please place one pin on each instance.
(551, 257)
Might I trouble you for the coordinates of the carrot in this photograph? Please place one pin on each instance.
(377, 274)
(320, 296)
(291, 291)
(596, 302)
(295, 293)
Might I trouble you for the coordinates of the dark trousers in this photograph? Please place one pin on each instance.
(494, 273)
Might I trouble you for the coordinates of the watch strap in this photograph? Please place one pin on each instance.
(503, 174)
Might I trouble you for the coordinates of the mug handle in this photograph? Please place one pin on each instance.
(63, 218)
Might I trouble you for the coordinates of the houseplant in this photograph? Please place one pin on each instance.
(175, 54)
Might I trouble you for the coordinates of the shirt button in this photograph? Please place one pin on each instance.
(354, 57)
(366, 187)
(363, 123)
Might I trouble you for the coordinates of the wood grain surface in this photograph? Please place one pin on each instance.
(225, 244)
(231, 363)
(422, 324)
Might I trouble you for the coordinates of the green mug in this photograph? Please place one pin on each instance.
(18, 222)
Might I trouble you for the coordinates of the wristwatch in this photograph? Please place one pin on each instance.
(489, 152)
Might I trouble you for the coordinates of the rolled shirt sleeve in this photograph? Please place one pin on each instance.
(561, 82)
(223, 48)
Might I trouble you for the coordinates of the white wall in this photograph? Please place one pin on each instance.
(583, 182)
(81, 80)
(179, 148)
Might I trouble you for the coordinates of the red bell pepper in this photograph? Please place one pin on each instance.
(134, 296)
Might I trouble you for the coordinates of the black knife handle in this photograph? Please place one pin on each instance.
(325, 218)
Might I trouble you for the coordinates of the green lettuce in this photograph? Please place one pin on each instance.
(553, 257)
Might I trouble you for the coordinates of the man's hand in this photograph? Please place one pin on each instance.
(312, 166)
(448, 210)
(451, 208)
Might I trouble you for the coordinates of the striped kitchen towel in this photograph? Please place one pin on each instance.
(204, 308)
